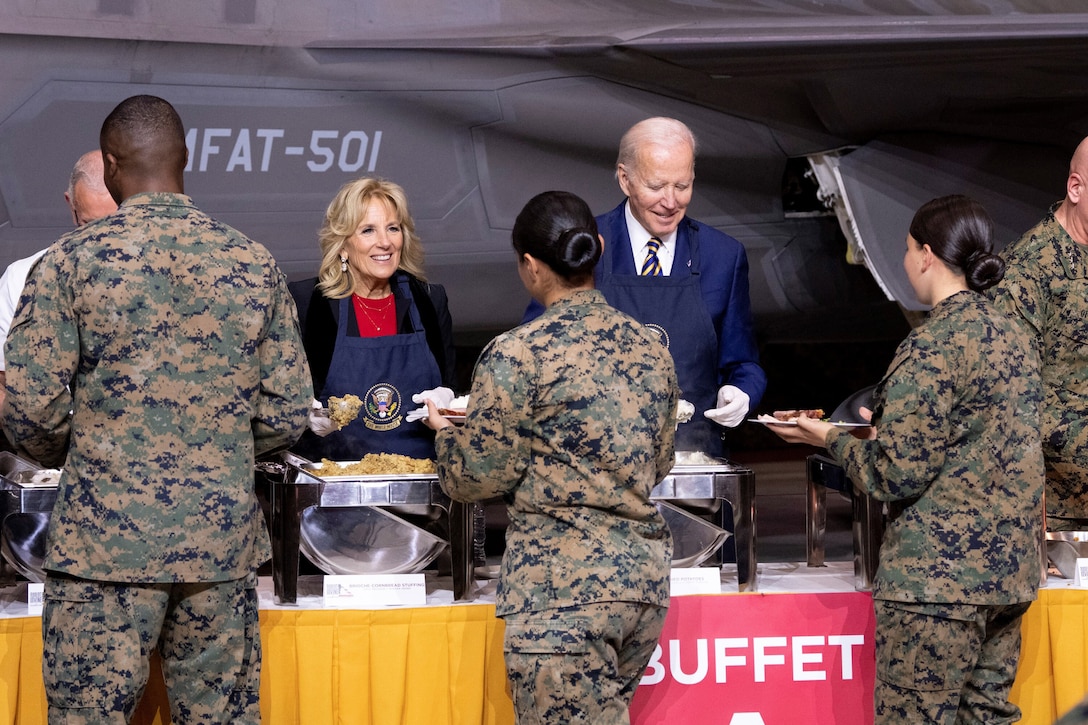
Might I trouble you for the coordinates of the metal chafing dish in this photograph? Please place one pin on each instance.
(25, 507)
(1063, 548)
(349, 524)
(693, 539)
(723, 481)
(867, 513)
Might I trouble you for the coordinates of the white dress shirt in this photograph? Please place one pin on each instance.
(11, 289)
(640, 243)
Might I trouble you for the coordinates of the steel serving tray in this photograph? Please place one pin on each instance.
(24, 517)
(719, 480)
(302, 497)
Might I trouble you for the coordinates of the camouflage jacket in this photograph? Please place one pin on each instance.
(154, 354)
(958, 449)
(1046, 287)
(571, 420)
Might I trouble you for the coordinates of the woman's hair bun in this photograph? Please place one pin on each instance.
(558, 228)
(983, 270)
(578, 250)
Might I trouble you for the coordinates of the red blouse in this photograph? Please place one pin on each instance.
(376, 318)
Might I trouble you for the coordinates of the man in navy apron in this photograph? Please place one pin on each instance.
(693, 289)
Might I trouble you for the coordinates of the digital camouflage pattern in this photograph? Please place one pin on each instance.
(946, 663)
(958, 449)
(174, 342)
(572, 420)
(1046, 287)
(564, 667)
(98, 638)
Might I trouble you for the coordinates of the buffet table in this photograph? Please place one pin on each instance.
(443, 663)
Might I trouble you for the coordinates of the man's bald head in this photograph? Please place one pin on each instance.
(1073, 212)
(87, 195)
(143, 144)
(1079, 163)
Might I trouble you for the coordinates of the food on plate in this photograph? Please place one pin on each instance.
(791, 416)
(46, 477)
(456, 407)
(695, 458)
(378, 463)
(344, 410)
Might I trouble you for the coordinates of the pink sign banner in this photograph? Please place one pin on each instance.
(762, 659)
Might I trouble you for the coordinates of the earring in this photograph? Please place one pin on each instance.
(343, 264)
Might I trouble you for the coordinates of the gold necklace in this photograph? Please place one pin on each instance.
(360, 304)
(379, 308)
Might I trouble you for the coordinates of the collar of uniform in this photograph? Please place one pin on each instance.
(579, 297)
(952, 301)
(1071, 255)
(158, 198)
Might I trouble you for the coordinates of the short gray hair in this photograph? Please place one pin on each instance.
(656, 130)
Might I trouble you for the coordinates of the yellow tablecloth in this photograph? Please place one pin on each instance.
(434, 665)
(22, 696)
(437, 665)
(443, 665)
(1053, 673)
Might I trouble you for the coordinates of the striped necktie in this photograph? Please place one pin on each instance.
(652, 266)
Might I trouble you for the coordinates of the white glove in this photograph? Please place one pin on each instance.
(320, 423)
(732, 407)
(442, 398)
(684, 411)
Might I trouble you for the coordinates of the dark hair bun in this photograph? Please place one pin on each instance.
(983, 270)
(577, 251)
(558, 228)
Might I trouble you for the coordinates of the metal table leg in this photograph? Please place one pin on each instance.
(868, 530)
(744, 529)
(288, 500)
(815, 523)
(461, 554)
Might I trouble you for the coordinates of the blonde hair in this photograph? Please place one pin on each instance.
(343, 216)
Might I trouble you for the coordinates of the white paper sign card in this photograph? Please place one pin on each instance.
(374, 591)
(696, 580)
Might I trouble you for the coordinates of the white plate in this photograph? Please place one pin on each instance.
(775, 421)
(455, 419)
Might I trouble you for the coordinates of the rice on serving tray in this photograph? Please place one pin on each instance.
(379, 463)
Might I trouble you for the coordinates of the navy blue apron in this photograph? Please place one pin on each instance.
(673, 307)
(385, 372)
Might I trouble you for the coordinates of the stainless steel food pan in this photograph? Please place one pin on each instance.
(1063, 548)
(24, 518)
(693, 539)
(22, 542)
(365, 540)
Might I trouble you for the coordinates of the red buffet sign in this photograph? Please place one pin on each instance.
(762, 659)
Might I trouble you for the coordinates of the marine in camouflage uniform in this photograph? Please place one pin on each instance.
(1046, 287)
(958, 457)
(572, 421)
(173, 341)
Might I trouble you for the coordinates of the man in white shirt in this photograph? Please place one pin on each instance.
(88, 199)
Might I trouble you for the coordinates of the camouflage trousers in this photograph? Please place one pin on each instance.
(946, 663)
(579, 664)
(98, 637)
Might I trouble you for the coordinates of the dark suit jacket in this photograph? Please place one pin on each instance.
(723, 282)
(318, 317)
